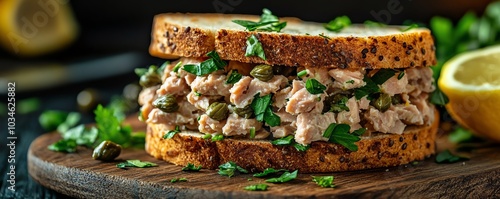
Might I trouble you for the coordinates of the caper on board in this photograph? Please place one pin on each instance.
(166, 103)
(218, 111)
(262, 72)
(245, 112)
(383, 102)
(106, 151)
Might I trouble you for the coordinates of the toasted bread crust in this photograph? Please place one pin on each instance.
(172, 39)
(382, 150)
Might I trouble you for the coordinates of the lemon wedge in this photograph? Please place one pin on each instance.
(471, 81)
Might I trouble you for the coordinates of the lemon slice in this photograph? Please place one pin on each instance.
(471, 81)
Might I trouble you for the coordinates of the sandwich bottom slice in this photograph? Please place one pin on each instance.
(388, 107)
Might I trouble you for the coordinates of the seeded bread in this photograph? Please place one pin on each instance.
(177, 35)
(381, 150)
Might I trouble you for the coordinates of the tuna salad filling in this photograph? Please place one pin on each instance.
(254, 101)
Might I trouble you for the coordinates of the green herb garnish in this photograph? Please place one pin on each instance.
(174, 180)
(191, 167)
(233, 77)
(339, 134)
(401, 75)
(254, 48)
(370, 23)
(337, 24)
(302, 73)
(81, 135)
(256, 187)
(324, 181)
(170, 134)
(110, 128)
(268, 171)
(177, 66)
(51, 120)
(206, 67)
(339, 104)
(218, 137)
(207, 136)
(228, 169)
(263, 112)
(460, 135)
(447, 157)
(267, 22)
(411, 26)
(285, 177)
(382, 75)
(370, 88)
(438, 97)
(314, 86)
(350, 81)
(68, 146)
(252, 133)
(288, 140)
(135, 163)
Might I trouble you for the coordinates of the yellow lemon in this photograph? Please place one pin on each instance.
(471, 81)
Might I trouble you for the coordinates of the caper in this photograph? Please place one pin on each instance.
(383, 102)
(106, 151)
(166, 103)
(397, 99)
(150, 79)
(245, 112)
(262, 72)
(218, 111)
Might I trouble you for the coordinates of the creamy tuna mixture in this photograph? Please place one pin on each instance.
(302, 114)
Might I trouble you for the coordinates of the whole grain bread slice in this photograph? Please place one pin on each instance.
(381, 150)
(300, 43)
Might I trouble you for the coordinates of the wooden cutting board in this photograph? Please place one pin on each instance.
(78, 175)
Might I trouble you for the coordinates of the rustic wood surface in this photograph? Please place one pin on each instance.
(78, 175)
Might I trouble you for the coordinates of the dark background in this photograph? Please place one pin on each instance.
(110, 28)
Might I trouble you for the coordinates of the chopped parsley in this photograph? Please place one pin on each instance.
(174, 180)
(285, 177)
(109, 127)
(228, 169)
(177, 66)
(324, 36)
(263, 112)
(254, 48)
(135, 163)
(268, 22)
(339, 103)
(337, 24)
(197, 94)
(206, 67)
(314, 86)
(411, 26)
(191, 167)
(51, 119)
(207, 136)
(401, 75)
(302, 73)
(68, 146)
(350, 81)
(382, 75)
(252, 133)
(438, 97)
(233, 77)
(460, 135)
(288, 140)
(447, 157)
(218, 137)
(339, 134)
(256, 187)
(324, 181)
(268, 171)
(371, 87)
(170, 134)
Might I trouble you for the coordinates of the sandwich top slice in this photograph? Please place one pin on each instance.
(301, 97)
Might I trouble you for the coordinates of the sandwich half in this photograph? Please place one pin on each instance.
(292, 96)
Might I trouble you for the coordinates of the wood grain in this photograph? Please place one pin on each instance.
(78, 175)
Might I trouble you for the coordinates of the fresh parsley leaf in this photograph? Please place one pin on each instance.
(314, 86)
(302, 73)
(233, 77)
(271, 118)
(206, 67)
(267, 22)
(254, 48)
(382, 75)
(359, 131)
(135, 163)
(339, 104)
(283, 141)
(447, 157)
(191, 167)
(263, 112)
(337, 24)
(460, 135)
(177, 66)
(411, 26)
(218, 137)
(171, 134)
(324, 181)
(252, 133)
(109, 127)
(81, 135)
(401, 75)
(51, 120)
(339, 134)
(207, 136)
(256, 187)
(267, 172)
(174, 180)
(438, 97)
(71, 120)
(68, 146)
(374, 24)
(370, 88)
(350, 81)
(228, 169)
(285, 177)
(300, 147)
